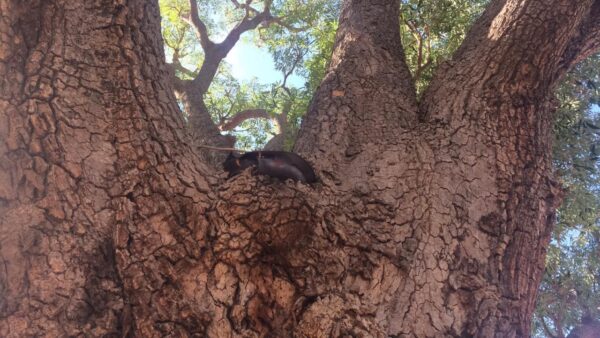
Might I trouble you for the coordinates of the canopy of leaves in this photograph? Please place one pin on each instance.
(570, 289)
(432, 30)
(300, 43)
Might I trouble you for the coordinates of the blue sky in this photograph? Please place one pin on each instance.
(248, 61)
(251, 62)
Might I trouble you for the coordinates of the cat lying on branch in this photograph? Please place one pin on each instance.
(280, 164)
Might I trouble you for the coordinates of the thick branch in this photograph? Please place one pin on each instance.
(80, 287)
(201, 30)
(179, 85)
(368, 82)
(217, 52)
(587, 41)
(244, 26)
(512, 53)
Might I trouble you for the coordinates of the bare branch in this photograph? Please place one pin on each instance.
(179, 85)
(176, 66)
(215, 53)
(279, 21)
(246, 115)
(179, 67)
(547, 329)
(270, 19)
(286, 74)
(243, 26)
(424, 47)
(245, 6)
(217, 148)
(201, 30)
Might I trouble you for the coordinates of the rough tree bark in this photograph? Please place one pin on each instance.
(91, 153)
(431, 218)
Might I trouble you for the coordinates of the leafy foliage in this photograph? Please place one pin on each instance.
(432, 30)
(304, 52)
(570, 289)
(312, 47)
(577, 145)
(300, 43)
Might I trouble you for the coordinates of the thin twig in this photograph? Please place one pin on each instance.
(218, 148)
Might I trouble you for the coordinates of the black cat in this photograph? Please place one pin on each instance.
(280, 164)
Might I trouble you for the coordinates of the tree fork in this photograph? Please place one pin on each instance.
(434, 227)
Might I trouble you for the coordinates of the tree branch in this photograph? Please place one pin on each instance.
(244, 26)
(279, 21)
(196, 22)
(245, 6)
(286, 74)
(247, 114)
(178, 84)
(179, 67)
(424, 42)
(367, 67)
(214, 54)
(270, 19)
(522, 43)
(217, 52)
(587, 41)
(547, 329)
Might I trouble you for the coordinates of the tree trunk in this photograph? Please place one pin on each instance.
(95, 172)
(431, 218)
